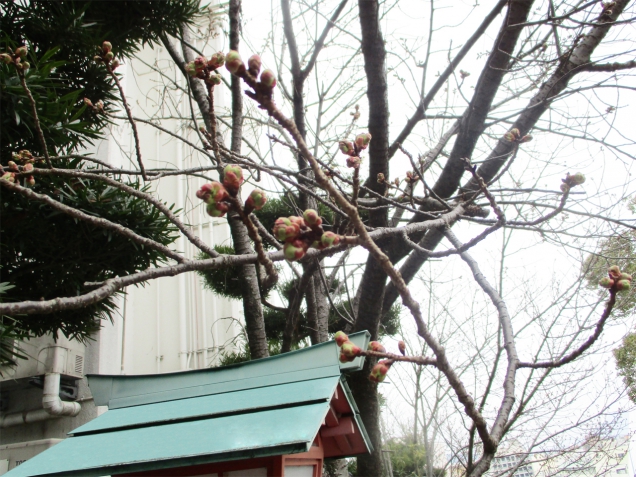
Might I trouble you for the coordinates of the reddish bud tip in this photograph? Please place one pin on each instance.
(346, 147)
(377, 347)
(312, 218)
(402, 347)
(329, 239)
(341, 338)
(363, 140)
(233, 62)
(256, 200)
(294, 250)
(268, 79)
(254, 65)
(232, 178)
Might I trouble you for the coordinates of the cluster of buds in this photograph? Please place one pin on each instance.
(515, 136)
(217, 195)
(571, 181)
(16, 58)
(107, 56)
(616, 280)
(352, 149)
(98, 107)
(234, 64)
(411, 177)
(349, 352)
(13, 169)
(205, 69)
(300, 233)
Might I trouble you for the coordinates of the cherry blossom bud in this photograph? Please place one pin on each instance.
(575, 179)
(107, 47)
(30, 182)
(232, 178)
(115, 64)
(285, 229)
(363, 140)
(294, 250)
(526, 138)
(233, 62)
(623, 285)
(402, 347)
(217, 209)
(216, 60)
(25, 65)
(379, 371)
(353, 162)
(212, 192)
(381, 178)
(350, 351)
(341, 338)
(329, 239)
(254, 65)
(256, 200)
(377, 347)
(346, 147)
(215, 80)
(27, 167)
(88, 102)
(606, 282)
(21, 51)
(109, 56)
(614, 272)
(191, 69)
(13, 166)
(97, 59)
(5, 58)
(8, 176)
(564, 187)
(268, 79)
(626, 276)
(311, 218)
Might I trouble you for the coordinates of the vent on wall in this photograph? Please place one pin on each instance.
(79, 364)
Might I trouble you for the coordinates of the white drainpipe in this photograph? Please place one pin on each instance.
(52, 405)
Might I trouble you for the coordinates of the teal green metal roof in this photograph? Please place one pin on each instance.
(261, 408)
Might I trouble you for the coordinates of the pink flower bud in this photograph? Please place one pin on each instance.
(623, 285)
(626, 276)
(27, 167)
(329, 239)
(350, 351)
(212, 192)
(115, 64)
(109, 56)
(216, 60)
(256, 200)
(285, 229)
(341, 338)
(191, 69)
(614, 272)
(232, 178)
(254, 65)
(509, 137)
(297, 220)
(5, 58)
(25, 65)
(402, 347)
(526, 138)
(363, 140)
(88, 102)
(606, 282)
(215, 80)
(30, 182)
(515, 132)
(311, 218)
(217, 209)
(346, 147)
(294, 250)
(575, 179)
(21, 51)
(379, 371)
(233, 62)
(353, 162)
(107, 47)
(377, 347)
(13, 166)
(268, 79)
(8, 176)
